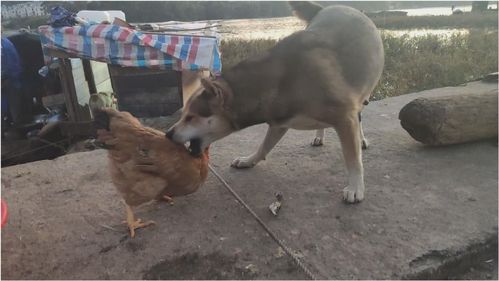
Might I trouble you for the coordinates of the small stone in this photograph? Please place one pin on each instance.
(275, 207)
(295, 232)
(252, 269)
(471, 199)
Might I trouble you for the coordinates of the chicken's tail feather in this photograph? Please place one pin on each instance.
(305, 10)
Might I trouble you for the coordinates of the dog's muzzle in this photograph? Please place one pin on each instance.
(194, 144)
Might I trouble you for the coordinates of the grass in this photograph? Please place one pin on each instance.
(411, 63)
(467, 20)
(33, 22)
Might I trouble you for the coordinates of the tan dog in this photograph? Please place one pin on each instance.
(313, 79)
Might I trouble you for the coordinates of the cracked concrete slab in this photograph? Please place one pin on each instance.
(425, 208)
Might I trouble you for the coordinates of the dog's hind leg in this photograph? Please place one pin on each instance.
(319, 138)
(274, 134)
(363, 140)
(348, 132)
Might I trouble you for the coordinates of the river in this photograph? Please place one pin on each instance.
(277, 28)
(439, 11)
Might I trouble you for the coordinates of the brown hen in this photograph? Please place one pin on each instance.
(144, 164)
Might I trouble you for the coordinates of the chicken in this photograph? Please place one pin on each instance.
(144, 164)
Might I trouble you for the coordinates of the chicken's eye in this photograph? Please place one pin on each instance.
(188, 118)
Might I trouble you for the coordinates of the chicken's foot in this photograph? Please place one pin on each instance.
(134, 224)
(168, 199)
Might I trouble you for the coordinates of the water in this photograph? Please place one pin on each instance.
(251, 29)
(278, 28)
(439, 11)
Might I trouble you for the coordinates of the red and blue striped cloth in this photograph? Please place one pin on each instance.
(127, 47)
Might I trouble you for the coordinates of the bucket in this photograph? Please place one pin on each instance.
(99, 16)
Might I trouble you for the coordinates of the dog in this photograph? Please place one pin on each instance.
(313, 79)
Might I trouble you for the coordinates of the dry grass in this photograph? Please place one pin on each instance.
(467, 20)
(411, 63)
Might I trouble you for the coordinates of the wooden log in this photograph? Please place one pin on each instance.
(451, 119)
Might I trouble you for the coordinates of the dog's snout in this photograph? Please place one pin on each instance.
(169, 133)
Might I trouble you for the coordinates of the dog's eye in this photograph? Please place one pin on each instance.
(188, 118)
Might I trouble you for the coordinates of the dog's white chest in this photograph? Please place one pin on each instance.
(301, 122)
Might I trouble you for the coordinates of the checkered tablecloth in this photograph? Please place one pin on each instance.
(124, 46)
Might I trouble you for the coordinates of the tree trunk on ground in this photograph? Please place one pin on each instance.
(451, 119)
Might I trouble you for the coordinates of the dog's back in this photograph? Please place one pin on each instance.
(349, 35)
(356, 42)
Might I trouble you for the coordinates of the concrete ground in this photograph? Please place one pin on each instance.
(429, 212)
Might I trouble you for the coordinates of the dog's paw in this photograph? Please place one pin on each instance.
(353, 195)
(365, 144)
(317, 142)
(243, 162)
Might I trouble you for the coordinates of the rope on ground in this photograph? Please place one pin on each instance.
(288, 251)
(52, 144)
(38, 148)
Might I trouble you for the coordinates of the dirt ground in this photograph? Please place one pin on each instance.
(428, 213)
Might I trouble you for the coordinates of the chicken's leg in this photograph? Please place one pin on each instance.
(134, 224)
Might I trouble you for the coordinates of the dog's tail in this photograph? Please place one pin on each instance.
(305, 10)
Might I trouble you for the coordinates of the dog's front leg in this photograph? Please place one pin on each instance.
(274, 134)
(363, 140)
(349, 134)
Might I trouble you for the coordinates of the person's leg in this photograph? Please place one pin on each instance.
(15, 97)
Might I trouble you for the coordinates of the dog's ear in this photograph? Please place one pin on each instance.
(209, 88)
(215, 91)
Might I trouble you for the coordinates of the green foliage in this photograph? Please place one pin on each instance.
(32, 22)
(411, 63)
(426, 62)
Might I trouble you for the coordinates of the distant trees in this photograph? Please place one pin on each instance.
(479, 6)
(153, 11)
